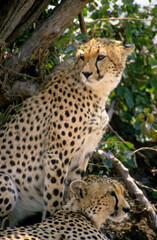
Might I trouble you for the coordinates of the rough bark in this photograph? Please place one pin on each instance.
(50, 30)
(27, 19)
(83, 25)
(14, 16)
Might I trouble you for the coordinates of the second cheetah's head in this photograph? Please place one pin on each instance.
(100, 198)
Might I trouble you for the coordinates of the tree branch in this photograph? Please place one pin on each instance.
(14, 17)
(83, 25)
(27, 20)
(42, 38)
(48, 32)
(115, 19)
(132, 187)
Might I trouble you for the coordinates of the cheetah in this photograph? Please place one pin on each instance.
(47, 144)
(93, 200)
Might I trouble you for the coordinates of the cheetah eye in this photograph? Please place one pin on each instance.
(82, 58)
(113, 194)
(100, 57)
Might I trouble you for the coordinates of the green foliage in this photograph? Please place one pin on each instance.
(149, 127)
(154, 194)
(122, 150)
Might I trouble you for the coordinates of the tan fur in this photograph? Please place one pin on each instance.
(49, 141)
(91, 204)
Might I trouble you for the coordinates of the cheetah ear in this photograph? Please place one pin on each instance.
(129, 48)
(79, 188)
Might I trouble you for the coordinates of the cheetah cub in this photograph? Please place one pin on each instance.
(49, 141)
(93, 201)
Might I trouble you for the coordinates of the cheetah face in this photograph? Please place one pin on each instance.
(110, 205)
(120, 207)
(101, 198)
(102, 61)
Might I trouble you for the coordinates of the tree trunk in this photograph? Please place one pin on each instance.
(24, 14)
(48, 32)
(42, 38)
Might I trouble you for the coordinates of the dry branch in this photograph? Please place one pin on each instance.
(42, 38)
(132, 187)
(16, 18)
(19, 11)
(83, 25)
(27, 20)
(115, 19)
(48, 32)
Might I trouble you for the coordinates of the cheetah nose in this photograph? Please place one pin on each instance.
(87, 74)
(126, 209)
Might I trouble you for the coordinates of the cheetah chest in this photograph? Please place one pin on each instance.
(95, 131)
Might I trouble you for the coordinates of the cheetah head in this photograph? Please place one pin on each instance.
(102, 61)
(100, 198)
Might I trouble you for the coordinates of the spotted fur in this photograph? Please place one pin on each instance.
(49, 141)
(92, 202)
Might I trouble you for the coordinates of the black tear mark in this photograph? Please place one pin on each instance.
(115, 213)
(98, 72)
(81, 193)
(116, 206)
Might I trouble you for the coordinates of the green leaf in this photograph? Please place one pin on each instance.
(146, 128)
(154, 194)
(131, 159)
(132, 162)
(120, 90)
(128, 32)
(154, 10)
(152, 61)
(129, 98)
(81, 36)
(107, 163)
(129, 145)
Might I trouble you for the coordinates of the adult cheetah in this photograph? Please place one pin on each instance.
(92, 202)
(49, 141)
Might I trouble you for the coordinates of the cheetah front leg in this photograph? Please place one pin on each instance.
(55, 174)
(90, 142)
(80, 161)
(8, 199)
